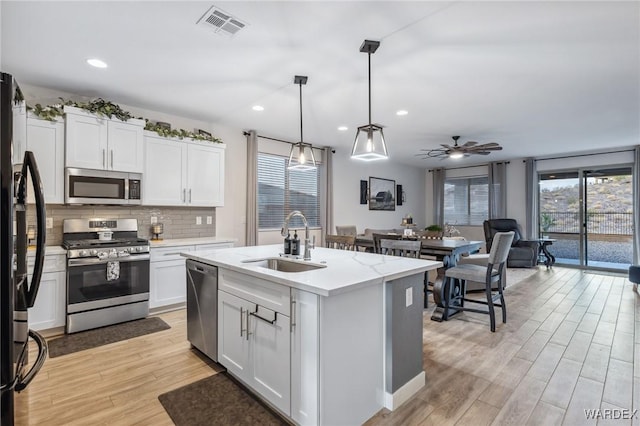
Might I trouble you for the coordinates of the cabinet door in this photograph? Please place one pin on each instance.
(46, 140)
(270, 356)
(165, 172)
(304, 357)
(49, 308)
(167, 283)
(86, 142)
(205, 175)
(125, 143)
(233, 338)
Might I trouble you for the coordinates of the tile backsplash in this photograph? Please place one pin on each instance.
(179, 222)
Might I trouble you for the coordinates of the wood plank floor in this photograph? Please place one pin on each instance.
(572, 342)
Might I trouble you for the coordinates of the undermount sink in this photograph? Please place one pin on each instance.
(286, 265)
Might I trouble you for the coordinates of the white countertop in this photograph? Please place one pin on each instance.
(345, 271)
(49, 250)
(176, 242)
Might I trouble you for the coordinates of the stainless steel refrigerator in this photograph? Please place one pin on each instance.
(17, 294)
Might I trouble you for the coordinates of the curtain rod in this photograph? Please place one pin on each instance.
(283, 141)
(469, 167)
(580, 155)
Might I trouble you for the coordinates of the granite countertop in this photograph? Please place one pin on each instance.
(176, 242)
(345, 270)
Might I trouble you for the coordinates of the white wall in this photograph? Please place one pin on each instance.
(230, 219)
(347, 209)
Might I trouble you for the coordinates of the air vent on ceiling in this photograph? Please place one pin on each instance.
(221, 22)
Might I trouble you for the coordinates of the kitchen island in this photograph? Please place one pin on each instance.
(327, 341)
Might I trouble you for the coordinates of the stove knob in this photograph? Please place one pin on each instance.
(113, 253)
(83, 253)
(102, 255)
(93, 252)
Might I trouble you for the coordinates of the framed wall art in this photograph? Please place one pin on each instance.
(382, 194)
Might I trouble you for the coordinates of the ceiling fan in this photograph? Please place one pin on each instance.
(459, 151)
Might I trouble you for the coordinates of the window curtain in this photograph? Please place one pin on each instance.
(636, 206)
(252, 188)
(531, 193)
(497, 190)
(438, 196)
(326, 194)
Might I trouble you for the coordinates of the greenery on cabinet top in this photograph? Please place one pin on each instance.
(108, 109)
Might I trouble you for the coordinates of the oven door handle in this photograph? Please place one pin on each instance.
(95, 261)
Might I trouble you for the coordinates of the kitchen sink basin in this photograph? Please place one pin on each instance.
(287, 265)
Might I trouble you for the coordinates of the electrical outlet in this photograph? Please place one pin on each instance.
(198, 220)
(409, 296)
(49, 222)
(209, 220)
(154, 220)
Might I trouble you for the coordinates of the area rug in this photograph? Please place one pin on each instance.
(70, 343)
(216, 400)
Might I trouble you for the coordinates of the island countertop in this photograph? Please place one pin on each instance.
(345, 270)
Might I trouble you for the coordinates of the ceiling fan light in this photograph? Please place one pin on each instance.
(369, 144)
(456, 154)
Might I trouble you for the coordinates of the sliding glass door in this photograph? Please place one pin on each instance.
(589, 214)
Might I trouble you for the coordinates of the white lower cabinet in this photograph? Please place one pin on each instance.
(50, 307)
(254, 344)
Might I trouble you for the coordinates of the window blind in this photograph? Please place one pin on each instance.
(466, 200)
(281, 191)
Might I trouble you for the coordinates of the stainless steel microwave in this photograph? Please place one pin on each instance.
(85, 186)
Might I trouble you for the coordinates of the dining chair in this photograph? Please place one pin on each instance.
(341, 242)
(378, 237)
(346, 230)
(490, 274)
(408, 248)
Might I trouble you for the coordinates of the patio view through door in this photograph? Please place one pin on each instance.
(589, 212)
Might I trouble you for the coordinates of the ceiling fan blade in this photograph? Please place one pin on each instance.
(446, 146)
(485, 147)
(469, 144)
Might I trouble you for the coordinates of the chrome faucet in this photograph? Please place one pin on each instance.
(308, 245)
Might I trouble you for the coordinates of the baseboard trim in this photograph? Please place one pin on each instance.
(402, 395)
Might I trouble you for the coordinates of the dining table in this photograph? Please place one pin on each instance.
(448, 251)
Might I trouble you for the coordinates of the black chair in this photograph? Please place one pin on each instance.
(634, 276)
(523, 253)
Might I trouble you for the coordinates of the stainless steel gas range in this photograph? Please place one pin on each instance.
(107, 272)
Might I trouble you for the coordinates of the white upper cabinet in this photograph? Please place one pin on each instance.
(98, 143)
(46, 140)
(183, 172)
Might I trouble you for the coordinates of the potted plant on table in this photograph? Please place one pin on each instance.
(433, 231)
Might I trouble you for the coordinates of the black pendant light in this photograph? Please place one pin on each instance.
(301, 155)
(369, 144)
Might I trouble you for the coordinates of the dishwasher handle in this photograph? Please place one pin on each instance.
(201, 268)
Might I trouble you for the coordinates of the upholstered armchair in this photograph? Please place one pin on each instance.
(523, 253)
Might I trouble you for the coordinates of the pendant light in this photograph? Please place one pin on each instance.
(301, 155)
(369, 144)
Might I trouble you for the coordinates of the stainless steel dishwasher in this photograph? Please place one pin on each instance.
(202, 307)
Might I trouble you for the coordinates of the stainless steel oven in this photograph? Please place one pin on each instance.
(85, 186)
(107, 280)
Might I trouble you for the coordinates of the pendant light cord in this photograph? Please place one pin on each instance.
(301, 139)
(369, 55)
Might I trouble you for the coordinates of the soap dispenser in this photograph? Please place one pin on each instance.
(295, 244)
(287, 244)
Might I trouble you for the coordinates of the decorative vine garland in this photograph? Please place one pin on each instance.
(108, 109)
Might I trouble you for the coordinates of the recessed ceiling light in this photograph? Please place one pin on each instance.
(402, 112)
(343, 128)
(94, 62)
(258, 108)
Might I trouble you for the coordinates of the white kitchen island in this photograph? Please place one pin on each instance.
(331, 345)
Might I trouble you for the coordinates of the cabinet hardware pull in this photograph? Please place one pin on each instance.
(247, 314)
(104, 158)
(293, 314)
(112, 163)
(184, 194)
(255, 314)
(189, 194)
(241, 329)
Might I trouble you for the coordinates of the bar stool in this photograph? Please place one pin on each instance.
(490, 274)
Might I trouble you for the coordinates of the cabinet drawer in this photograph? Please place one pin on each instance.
(52, 263)
(265, 293)
(169, 253)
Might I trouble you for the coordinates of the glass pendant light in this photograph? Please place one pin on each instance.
(301, 155)
(369, 144)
